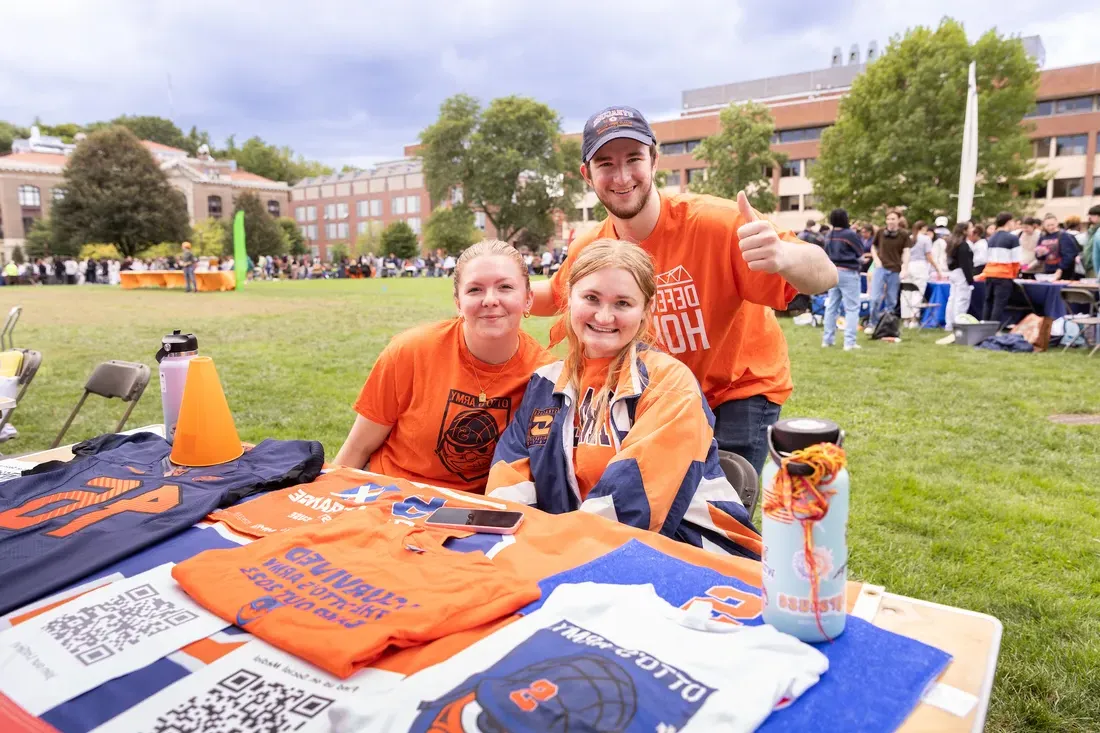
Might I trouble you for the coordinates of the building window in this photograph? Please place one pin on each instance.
(789, 203)
(412, 204)
(330, 230)
(304, 230)
(311, 213)
(578, 214)
(397, 205)
(30, 197)
(312, 232)
(315, 250)
(809, 201)
(214, 206)
(1040, 147)
(1040, 190)
(1073, 104)
(690, 145)
(59, 194)
(673, 178)
(673, 148)
(797, 135)
(273, 207)
(342, 211)
(1068, 187)
(342, 230)
(791, 169)
(1095, 190)
(361, 227)
(376, 208)
(1071, 144)
(362, 209)
(768, 172)
(414, 224)
(330, 211)
(696, 174)
(300, 213)
(479, 220)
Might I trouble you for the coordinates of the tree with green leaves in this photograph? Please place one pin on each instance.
(209, 238)
(399, 238)
(897, 141)
(337, 251)
(17, 255)
(292, 233)
(155, 129)
(271, 161)
(262, 234)
(509, 161)
(739, 155)
(40, 241)
(117, 193)
(368, 243)
(9, 133)
(451, 229)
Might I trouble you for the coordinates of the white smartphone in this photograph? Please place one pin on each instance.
(476, 520)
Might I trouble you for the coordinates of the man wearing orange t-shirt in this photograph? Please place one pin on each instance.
(721, 269)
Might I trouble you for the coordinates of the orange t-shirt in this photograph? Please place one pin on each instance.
(426, 384)
(712, 312)
(593, 448)
(335, 493)
(339, 595)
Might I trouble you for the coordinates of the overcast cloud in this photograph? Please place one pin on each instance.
(353, 82)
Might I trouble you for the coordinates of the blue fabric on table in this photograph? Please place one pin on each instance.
(937, 294)
(875, 677)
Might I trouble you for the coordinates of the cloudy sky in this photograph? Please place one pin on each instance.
(353, 82)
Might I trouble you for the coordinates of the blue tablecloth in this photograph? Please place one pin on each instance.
(1045, 298)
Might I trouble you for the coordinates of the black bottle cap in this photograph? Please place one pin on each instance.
(799, 433)
(177, 343)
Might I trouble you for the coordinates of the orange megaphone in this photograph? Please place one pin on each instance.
(205, 433)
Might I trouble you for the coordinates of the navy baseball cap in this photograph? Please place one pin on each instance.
(613, 123)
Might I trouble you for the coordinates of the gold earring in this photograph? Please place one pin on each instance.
(527, 314)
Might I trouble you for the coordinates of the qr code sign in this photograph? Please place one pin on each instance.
(244, 702)
(94, 633)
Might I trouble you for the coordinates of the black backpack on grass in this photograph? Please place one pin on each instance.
(888, 326)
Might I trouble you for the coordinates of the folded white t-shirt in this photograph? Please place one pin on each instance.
(602, 658)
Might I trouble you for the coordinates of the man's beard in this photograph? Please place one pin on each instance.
(625, 213)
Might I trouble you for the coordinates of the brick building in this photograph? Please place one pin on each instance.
(31, 179)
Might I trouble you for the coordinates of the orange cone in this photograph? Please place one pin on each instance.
(205, 433)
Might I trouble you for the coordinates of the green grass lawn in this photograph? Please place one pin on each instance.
(963, 492)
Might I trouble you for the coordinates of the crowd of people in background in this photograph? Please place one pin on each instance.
(898, 255)
(105, 271)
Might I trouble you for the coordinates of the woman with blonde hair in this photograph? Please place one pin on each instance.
(619, 428)
(439, 395)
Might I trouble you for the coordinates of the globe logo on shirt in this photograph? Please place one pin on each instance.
(469, 433)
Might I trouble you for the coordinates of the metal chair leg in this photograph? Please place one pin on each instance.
(72, 416)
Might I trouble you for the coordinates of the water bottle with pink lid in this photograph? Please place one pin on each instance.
(175, 354)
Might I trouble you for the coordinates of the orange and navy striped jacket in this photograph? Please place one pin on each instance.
(664, 476)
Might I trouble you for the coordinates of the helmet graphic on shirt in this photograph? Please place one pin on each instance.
(467, 443)
(259, 607)
(583, 692)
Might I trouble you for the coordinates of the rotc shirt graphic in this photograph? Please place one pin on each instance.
(711, 311)
(593, 448)
(426, 385)
(118, 495)
(604, 658)
(340, 594)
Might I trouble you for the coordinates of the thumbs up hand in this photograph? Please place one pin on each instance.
(760, 244)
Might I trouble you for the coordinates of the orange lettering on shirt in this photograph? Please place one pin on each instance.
(528, 699)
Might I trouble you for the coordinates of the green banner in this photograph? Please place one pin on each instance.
(240, 254)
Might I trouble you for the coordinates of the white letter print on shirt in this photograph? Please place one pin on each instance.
(678, 318)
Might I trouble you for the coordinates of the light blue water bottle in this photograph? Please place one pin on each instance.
(805, 529)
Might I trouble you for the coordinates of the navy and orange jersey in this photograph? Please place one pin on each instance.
(118, 495)
(1004, 256)
(662, 474)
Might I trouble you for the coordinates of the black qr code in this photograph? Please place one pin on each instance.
(94, 633)
(244, 702)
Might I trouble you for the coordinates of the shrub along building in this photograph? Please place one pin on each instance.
(31, 179)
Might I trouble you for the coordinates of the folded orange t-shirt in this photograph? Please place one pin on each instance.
(341, 594)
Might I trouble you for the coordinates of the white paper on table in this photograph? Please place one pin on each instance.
(255, 688)
(104, 634)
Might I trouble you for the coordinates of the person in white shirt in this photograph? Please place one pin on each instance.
(547, 260)
(979, 247)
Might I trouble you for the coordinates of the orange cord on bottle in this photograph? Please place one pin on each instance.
(801, 498)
